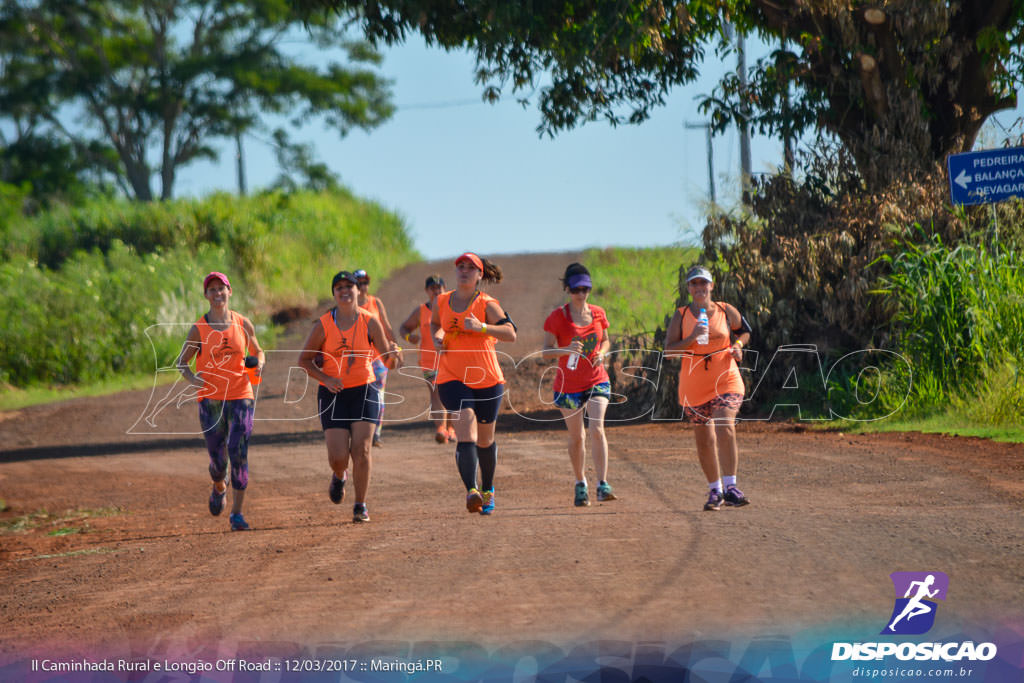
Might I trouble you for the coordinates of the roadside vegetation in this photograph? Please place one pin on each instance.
(105, 292)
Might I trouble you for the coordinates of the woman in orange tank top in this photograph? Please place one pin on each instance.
(416, 329)
(465, 325)
(345, 340)
(221, 341)
(710, 386)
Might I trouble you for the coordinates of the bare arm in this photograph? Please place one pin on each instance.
(379, 339)
(553, 350)
(675, 343)
(388, 331)
(254, 345)
(188, 351)
(310, 349)
(500, 331)
(410, 328)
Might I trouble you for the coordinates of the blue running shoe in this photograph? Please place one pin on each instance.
(238, 522)
(582, 499)
(217, 500)
(359, 513)
(734, 497)
(488, 507)
(604, 492)
(714, 500)
(336, 491)
(474, 501)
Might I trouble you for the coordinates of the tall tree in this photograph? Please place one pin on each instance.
(143, 87)
(896, 81)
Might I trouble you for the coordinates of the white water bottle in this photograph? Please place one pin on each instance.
(574, 359)
(702, 319)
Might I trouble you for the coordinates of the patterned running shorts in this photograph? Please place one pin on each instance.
(702, 414)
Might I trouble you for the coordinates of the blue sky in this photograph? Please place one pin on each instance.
(467, 175)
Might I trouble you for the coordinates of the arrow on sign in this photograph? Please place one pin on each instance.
(962, 179)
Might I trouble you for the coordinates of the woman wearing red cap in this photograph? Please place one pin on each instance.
(349, 405)
(710, 386)
(465, 325)
(576, 334)
(416, 329)
(380, 369)
(220, 341)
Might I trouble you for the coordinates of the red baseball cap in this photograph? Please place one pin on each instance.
(472, 258)
(216, 276)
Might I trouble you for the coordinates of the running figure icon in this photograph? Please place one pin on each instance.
(916, 606)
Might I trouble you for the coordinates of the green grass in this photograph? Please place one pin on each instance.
(638, 288)
(945, 423)
(13, 398)
(43, 518)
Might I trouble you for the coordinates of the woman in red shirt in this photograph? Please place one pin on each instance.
(576, 334)
(343, 340)
(465, 325)
(416, 329)
(220, 342)
(710, 386)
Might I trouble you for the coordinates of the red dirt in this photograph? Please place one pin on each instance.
(832, 516)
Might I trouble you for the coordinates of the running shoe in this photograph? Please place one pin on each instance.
(488, 507)
(714, 500)
(604, 492)
(238, 522)
(474, 501)
(359, 513)
(377, 441)
(441, 436)
(734, 497)
(217, 500)
(336, 490)
(451, 435)
(582, 497)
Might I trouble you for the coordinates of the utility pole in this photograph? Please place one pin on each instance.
(240, 158)
(741, 73)
(711, 162)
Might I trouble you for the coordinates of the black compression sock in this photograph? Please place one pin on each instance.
(488, 463)
(466, 459)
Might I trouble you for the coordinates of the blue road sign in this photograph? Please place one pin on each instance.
(986, 177)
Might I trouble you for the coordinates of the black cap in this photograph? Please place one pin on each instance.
(434, 280)
(343, 275)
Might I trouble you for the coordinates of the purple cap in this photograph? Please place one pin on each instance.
(579, 280)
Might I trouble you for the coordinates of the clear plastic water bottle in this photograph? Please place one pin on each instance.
(702, 319)
(574, 359)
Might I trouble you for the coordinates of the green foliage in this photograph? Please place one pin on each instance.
(126, 89)
(637, 287)
(111, 288)
(960, 324)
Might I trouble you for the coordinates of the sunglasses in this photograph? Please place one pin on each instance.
(579, 290)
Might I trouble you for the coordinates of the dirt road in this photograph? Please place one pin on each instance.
(108, 548)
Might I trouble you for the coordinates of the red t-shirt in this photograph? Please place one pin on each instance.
(586, 375)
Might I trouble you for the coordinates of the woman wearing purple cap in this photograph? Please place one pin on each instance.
(220, 341)
(710, 386)
(576, 334)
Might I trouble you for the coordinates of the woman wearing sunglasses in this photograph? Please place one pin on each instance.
(466, 324)
(576, 334)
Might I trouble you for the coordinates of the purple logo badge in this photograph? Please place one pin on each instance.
(914, 610)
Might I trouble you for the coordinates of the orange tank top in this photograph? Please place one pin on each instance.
(708, 370)
(221, 360)
(468, 357)
(428, 356)
(347, 354)
(371, 306)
